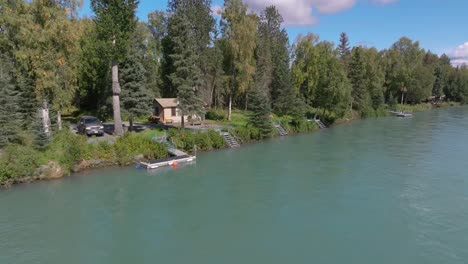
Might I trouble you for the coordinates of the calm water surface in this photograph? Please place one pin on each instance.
(385, 190)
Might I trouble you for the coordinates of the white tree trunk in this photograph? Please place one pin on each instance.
(59, 120)
(230, 107)
(118, 129)
(46, 118)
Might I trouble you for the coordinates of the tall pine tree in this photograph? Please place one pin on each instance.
(136, 99)
(186, 78)
(357, 76)
(344, 49)
(10, 116)
(261, 111)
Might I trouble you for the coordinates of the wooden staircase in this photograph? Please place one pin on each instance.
(230, 140)
(320, 123)
(281, 131)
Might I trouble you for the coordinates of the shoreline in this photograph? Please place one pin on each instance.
(53, 171)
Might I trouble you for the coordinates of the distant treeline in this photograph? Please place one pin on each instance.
(53, 61)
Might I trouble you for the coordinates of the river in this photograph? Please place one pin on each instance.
(387, 190)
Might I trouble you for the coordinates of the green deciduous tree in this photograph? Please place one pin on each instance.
(407, 76)
(239, 32)
(319, 76)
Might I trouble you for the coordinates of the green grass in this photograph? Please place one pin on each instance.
(151, 133)
(239, 118)
(414, 108)
(423, 106)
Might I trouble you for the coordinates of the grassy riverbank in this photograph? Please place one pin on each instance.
(68, 152)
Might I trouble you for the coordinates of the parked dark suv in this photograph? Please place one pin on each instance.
(90, 125)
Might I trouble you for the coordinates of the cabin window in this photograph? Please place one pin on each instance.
(157, 111)
(173, 111)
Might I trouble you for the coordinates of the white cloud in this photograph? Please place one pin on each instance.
(305, 12)
(384, 2)
(217, 10)
(459, 55)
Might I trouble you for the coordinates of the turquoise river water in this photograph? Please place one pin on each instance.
(387, 190)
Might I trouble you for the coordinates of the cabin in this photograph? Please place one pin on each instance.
(166, 111)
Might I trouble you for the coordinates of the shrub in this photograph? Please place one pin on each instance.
(100, 151)
(203, 141)
(131, 145)
(217, 141)
(187, 140)
(18, 161)
(247, 133)
(215, 114)
(67, 148)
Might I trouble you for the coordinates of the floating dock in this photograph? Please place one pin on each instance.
(177, 156)
(401, 113)
(172, 161)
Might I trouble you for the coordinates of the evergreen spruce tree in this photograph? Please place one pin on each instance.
(357, 76)
(344, 49)
(261, 111)
(441, 73)
(41, 138)
(273, 73)
(10, 117)
(136, 99)
(186, 77)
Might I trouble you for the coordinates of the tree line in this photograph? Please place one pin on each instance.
(113, 65)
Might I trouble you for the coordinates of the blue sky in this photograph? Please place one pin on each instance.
(439, 25)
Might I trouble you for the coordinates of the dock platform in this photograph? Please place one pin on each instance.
(176, 152)
(167, 162)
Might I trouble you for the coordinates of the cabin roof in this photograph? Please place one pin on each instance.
(167, 102)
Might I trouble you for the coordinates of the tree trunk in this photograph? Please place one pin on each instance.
(131, 123)
(45, 118)
(402, 95)
(230, 107)
(212, 92)
(246, 100)
(182, 119)
(118, 129)
(59, 120)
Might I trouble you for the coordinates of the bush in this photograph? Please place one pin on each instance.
(187, 140)
(100, 151)
(247, 133)
(371, 112)
(66, 148)
(217, 141)
(131, 145)
(203, 141)
(18, 161)
(216, 115)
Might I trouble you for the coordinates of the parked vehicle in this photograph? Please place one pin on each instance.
(90, 125)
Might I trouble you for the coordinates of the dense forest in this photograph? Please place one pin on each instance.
(112, 65)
